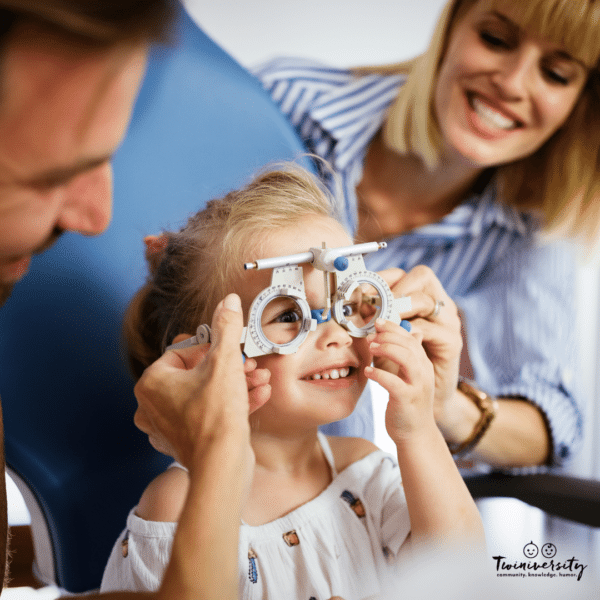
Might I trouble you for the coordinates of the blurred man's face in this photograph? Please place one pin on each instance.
(64, 110)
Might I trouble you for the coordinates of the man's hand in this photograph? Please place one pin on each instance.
(191, 393)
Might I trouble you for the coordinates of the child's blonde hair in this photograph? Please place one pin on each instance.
(561, 179)
(194, 268)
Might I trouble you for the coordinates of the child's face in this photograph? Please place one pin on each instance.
(323, 380)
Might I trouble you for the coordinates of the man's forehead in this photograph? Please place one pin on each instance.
(51, 94)
(38, 63)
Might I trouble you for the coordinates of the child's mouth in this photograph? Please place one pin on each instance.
(338, 373)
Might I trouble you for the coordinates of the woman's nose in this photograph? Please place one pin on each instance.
(516, 72)
(87, 202)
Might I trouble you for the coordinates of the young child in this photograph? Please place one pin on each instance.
(324, 516)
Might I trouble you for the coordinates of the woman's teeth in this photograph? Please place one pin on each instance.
(491, 116)
(331, 374)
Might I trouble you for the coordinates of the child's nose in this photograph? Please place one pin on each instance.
(331, 333)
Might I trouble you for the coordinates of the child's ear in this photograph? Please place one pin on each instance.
(155, 250)
(180, 337)
(155, 243)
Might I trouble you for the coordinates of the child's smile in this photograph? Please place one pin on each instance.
(333, 373)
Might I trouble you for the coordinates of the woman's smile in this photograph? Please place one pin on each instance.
(488, 118)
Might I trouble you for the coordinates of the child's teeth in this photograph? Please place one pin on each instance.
(333, 374)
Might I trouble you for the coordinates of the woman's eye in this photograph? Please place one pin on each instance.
(557, 77)
(494, 40)
(289, 316)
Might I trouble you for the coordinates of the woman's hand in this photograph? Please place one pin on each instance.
(190, 395)
(435, 317)
(401, 366)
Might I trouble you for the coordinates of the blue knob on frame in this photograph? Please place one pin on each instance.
(341, 263)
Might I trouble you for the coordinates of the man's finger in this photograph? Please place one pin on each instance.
(228, 322)
(258, 397)
(185, 358)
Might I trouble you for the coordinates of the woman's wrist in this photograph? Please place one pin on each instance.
(457, 418)
(487, 407)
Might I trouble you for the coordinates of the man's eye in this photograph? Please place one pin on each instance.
(289, 316)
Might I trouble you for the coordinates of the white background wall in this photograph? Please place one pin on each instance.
(342, 33)
(356, 32)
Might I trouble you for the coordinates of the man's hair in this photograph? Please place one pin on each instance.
(98, 22)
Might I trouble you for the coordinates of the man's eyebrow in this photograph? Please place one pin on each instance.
(61, 175)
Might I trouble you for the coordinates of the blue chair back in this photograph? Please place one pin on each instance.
(202, 125)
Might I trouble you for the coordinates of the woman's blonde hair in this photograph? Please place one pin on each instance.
(191, 270)
(566, 184)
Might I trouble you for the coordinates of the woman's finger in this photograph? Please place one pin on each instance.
(420, 278)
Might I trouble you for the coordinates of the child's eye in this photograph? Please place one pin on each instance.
(288, 316)
(350, 309)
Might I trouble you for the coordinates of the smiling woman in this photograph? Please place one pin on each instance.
(552, 47)
(502, 117)
(463, 160)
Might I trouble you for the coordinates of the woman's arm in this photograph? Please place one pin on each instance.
(517, 436)
(522, 345)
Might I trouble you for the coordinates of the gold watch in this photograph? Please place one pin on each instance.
(488, 406)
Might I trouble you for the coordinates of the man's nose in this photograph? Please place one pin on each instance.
(87, 202)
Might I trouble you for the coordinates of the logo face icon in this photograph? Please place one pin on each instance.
(548, 550)
(531, 550)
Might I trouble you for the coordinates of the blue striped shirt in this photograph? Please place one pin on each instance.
(516, 294)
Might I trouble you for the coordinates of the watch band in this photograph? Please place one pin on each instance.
(488, 406)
